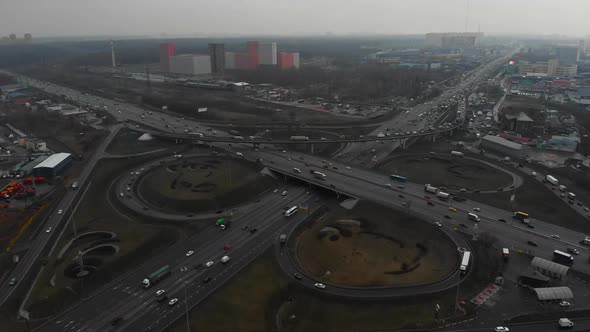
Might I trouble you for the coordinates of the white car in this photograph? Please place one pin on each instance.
(501, 329)
(437, 223)
(319, 285)
(48, 230)
(60, 211)
(388, 185)
(347, 167)
(284, 193)
(274, 191)
(160, 292)
(189, 253)
(208, 264)
(173, 301)
(564, 303)
(554, 236)
(476, 209)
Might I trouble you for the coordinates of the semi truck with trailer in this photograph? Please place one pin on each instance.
(431, 189)
(156, 277)
(443, 196)
(551, 179)
(299, 138)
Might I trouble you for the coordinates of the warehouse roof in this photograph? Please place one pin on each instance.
(53, 160)
(549, 266)
(29, 167)
(502, 141)
(554, 293)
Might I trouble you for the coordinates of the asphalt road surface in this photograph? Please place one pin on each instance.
(55, 221)
(125, 298)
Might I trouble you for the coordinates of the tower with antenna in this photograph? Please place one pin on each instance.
(113, 54)
(467, 17)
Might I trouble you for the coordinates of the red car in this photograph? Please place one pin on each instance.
(427, 197)
(226, 246)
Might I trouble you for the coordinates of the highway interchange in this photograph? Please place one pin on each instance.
(98, 310)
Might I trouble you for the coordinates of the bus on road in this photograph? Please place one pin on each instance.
(398, 178)
(522, 216)
(291, 211)
(465, 262)
(562, 257)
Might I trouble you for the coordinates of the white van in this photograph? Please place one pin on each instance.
(473, 216)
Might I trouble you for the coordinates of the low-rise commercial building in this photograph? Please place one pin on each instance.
(503, 146)
(53, 165)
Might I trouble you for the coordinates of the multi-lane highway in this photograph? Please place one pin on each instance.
(124, 297)
(55, 221)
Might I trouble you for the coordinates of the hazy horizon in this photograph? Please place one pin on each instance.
(199, 18)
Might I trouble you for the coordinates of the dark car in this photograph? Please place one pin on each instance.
(430, 203)
(447, 216)
(253, 230)
(400, 196)
(116, 321)
(306, 164)
(218, 211)
(532, 243)
(502, 220)
(326, 166)
(245, 227)
(334, 167)
(206, 280)
(298, 276)
(530, 226)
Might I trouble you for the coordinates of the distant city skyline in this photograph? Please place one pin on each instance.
(288, 18)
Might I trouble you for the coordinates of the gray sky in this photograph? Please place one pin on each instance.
(289, 17)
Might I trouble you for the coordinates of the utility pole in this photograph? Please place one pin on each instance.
(188, 329)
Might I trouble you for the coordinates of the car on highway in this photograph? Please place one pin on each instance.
(502, 220)
(438, 223)
(554, 236)
(189, 253)
(206, 280)
(430, 203)
(173, 301)
(226, 246)
(564, 303)
(208, 264)
(60, 211)
(253, 230)
(427, 197)
(274, 191)
(565, 323)
(388, 185)
(284, 193)
(573, 251)
(452, 209)
(319, 285)
(160, 292)
(48, 230)
(347, 167)
(298, 276)
(501, 329)
(532, 243)
(476, 209)
(12, 282)
(245, 227)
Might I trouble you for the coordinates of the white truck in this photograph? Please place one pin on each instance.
(571, 195)
(443, 195)
(551, 179)
(431, 189)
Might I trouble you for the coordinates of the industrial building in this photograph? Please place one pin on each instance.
(554, 293)
(166, 51)
(451, 40)
(27, 169)
(286, 60)
(567, 55)
(503, 146)
(217, 55)
(549, 268)
(190, 64)
(53, 165)
(267, 53)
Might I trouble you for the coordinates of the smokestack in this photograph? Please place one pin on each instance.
(113, 54)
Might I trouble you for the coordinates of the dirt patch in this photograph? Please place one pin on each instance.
(202, 184)
(374, 246)
(126, 143)
(453, 173)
